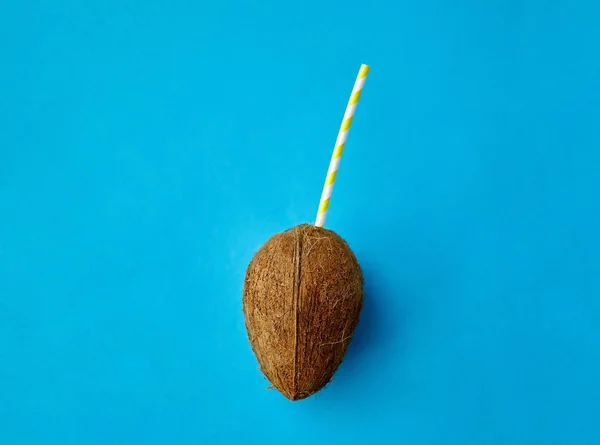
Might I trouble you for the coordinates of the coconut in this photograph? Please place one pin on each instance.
(302, 297)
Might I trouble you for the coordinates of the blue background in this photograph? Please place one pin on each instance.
(148, 148)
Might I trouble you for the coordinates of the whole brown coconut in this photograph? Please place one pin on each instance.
(302, 297)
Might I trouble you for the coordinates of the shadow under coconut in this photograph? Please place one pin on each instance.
(378, 337)
(378, 342)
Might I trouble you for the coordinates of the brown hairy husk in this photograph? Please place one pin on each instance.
(302, 298)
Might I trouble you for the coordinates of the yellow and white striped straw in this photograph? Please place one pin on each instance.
(339, 145)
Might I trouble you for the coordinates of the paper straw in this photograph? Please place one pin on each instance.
(339, 145)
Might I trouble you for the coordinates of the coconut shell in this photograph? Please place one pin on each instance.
(302, 296)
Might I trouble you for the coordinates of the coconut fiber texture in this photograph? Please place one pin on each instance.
(302, 297)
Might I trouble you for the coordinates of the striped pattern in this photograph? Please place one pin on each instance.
(339, 145)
